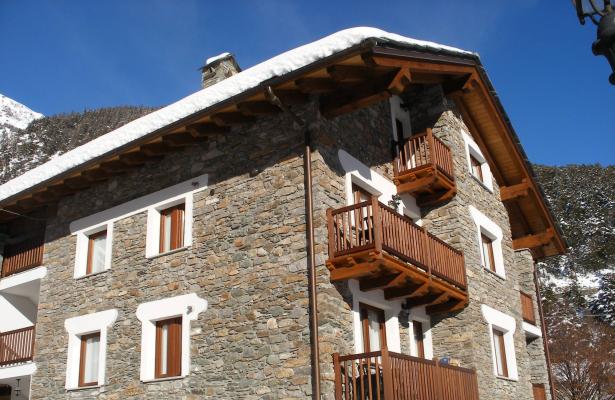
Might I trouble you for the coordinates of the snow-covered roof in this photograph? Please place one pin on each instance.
(216, 58)
(250, 78)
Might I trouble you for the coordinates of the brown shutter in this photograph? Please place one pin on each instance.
(487, 244)
(177, 215)
(173, 350)
(539, 391)
(499, 341)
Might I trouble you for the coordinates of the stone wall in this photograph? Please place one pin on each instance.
(247, 259)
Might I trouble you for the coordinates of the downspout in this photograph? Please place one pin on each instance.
(545, 337)
(309, 217)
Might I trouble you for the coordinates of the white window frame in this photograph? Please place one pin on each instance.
(375, 299)
(472, 149)
(83, 325)
(83, 244)
(506, 324)
(361, 175)
(490, 229)
(418, 314)
(152, 245)
(187, 307)
(398, 113)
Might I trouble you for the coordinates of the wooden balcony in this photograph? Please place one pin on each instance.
(22, 256)
(424, 168)
(16, 346)
(384, 250)
(527, 308)
(383, 375)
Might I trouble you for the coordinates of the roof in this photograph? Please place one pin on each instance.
(280, 65)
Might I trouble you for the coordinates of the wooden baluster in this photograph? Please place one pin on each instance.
(377, 224)
(387, 379)
(338, 376)
(331, 232)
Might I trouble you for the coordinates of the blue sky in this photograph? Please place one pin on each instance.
(62, 56)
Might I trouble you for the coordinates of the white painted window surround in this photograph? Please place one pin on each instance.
(398, 113)
(83, 325)
(490, 229)
(152, 204)
(83, 239)
(471, 148)
(188, 308)
(531, 331)
(361, 175)
(507, 325)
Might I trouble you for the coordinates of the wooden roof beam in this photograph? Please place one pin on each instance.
(156, 149)
(381, 282)
(316, 85)
(361, 95)
(509, 193)
(231, 118)
(534, 240)
(292, 97)
(182, 139)
(205, 129)
(258, 108)
(350, 73)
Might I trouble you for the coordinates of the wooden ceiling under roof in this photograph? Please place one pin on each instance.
(343, 83)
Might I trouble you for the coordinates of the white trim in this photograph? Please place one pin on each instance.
(373, 182)
(23, 277)
(376, 299)
(187, 306)
(507, 325)
(531, 331)
(152, 244)
(490, 229)
(471, 148)
(418, 314)
(83, 325)
(16, 371)
(83, 242)
(397, 112)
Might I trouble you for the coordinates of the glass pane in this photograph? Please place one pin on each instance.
(164, 348)
(374, 330)
(90, 371)
(167, 232)
(498, 354)
(99, 245)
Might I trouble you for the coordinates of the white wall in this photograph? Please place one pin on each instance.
(16, 312)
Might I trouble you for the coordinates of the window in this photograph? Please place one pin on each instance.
(373, 328)
(476, 166)
(165, 338)
(168, 347)
(500, 353)
(501, 329)
(418, 337)
(93, 253)
(359, 194)
(87, 348)
(88, 360)
(97, 252)
(487, 252)
(172, 228)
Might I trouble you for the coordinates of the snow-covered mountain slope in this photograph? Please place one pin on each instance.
(14, 115)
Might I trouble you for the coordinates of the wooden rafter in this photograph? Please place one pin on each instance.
(232, 118)
(258, 108)
(534, 240)
(508, 193)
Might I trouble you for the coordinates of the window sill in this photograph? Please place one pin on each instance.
(493, 272)
(92, 274)
(178, 250)
(481, 183)
(81, 388)
(506, 378)
(170, 378)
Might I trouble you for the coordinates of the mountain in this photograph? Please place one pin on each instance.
(29, 143)
(14, 116)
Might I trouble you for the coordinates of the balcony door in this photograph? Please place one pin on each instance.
(373, 328)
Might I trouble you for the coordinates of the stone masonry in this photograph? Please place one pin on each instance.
(248, 260)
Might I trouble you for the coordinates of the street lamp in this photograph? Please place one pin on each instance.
(605, 19)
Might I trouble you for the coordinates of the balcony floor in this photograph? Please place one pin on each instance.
(427, 183)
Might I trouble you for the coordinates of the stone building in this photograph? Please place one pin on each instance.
(354, 218)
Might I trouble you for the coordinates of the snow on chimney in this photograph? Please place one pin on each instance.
(218, 68)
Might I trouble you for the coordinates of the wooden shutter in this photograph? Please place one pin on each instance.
(417, 327)
(173, 347)
(91, 239)
(477, 171)
(539, 391)
(82, 359)
(177, 215)
(487, 244)
(498, 338)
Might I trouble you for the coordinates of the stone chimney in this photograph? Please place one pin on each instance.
(218, 68)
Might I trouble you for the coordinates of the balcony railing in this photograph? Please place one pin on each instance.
(22, 256)
(16, 346)
(424, 168)
(384, 375)
(371, 225)
(527, 308)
